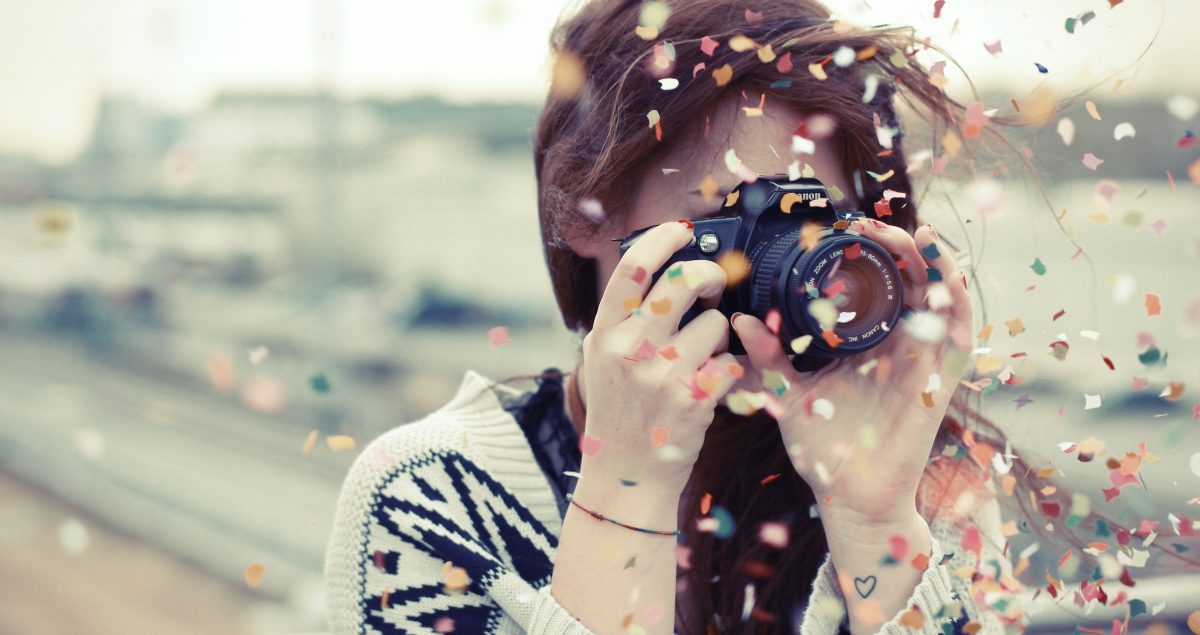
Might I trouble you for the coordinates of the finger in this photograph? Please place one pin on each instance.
(945, 280)
(676, 291)
(762, 346)
(701, 338)
(724, 371)
(631, 278)
(898, 242)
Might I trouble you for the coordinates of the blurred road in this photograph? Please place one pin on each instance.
(116, 584)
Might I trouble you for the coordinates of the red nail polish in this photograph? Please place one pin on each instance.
(878, 224)
(690, 225)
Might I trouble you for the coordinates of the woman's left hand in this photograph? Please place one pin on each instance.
(859, 431)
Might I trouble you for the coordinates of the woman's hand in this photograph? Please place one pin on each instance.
(860, 430)
(651, 387)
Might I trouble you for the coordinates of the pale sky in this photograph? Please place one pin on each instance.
(57, 57)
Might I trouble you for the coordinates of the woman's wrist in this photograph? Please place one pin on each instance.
(850, 528)
(647, 505)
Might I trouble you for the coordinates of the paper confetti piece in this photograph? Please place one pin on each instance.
(253, 574)
(646, 350)
(498, 335)
(1038, 267)
(822, 408)
(443, 624)
(800, 344)
(1123, 130)
(659, 436)
(309, 441)
(722, 74)
(1041, 69)
(1066, 130)
(590, 446)
(1091, 402)
(454, 578)
(339, 442)
(1153, 304)
(660, 307)
(1090, 106)
(1091, 161)
(1016, 326)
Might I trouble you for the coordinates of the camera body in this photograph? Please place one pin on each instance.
(844, 289)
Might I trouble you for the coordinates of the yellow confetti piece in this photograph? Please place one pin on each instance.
(801, 344)
(340, 442)
(631, 303)
(646, 32)
(568, 76)
(454, 578)
(660, 307)
(253, 575)
(653, 118)
(309, 441)
(723, 74)
(741, 43)
(867, 52)
(732, 198)
(1016, 326)
(1091, 109)
(985, 332)
(766, 54)
(709, 187)
(927, 398)
(788, 200)
(736, 267)
(818, 71)
(220, 372)
(810, 234)
(988, 364)
(913, 619)
(951, 144)
(1193, 622)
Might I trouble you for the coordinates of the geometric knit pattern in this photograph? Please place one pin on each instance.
(461, 488)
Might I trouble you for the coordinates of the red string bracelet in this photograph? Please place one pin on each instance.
(599, 516)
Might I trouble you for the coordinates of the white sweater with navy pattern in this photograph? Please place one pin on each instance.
(461, 488)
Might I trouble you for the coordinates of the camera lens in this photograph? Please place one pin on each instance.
(855, 280)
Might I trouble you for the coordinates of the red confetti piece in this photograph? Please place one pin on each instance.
(832, 290)
(1051, 509)
(853, 251)
(768, 478)
(831, 338)
(785, 63)
(669, 353)
(659, 436)
(1110, 364)
(1061, 312)
(1153, 304)
(646, 350)
(882, 208)
(639, 275)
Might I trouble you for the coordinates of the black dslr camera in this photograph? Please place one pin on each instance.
(842, 272)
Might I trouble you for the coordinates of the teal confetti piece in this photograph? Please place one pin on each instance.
(1136, 608)
(1152, 357)
(725, 522)
(931, 252)
(1041, 69)
(934, 274)
(781, 83)
(320, 383)
(675, 271)
(628, 483)
(1038, 267)
(888, 560)
(1102, 528)
(1073, 520)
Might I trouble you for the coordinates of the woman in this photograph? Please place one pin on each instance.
(630, 491)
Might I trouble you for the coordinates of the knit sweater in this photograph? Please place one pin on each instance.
(449, 524)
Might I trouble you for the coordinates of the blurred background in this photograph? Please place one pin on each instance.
(241, 238)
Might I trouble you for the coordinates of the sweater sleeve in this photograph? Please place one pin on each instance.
(550, 617)
(945, 596)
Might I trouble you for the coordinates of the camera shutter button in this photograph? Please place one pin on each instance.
(708, 243)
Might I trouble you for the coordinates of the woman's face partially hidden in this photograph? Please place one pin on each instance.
(762, 143)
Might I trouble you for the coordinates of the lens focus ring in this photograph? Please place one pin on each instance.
(765, 274)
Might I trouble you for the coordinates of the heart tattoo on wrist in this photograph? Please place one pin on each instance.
(865, 586)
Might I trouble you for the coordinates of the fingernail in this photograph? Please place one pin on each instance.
(878, 224)
(857, 226)
(733, 318)
(933, 231)
(687, 223)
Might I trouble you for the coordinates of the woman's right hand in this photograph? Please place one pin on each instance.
(631, 390)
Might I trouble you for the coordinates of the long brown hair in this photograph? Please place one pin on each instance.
(592, 141)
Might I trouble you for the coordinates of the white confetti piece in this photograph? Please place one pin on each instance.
(669, 83)
(800, 344)
(823, 408)
(1066, 130)
(1184, 107)
(73, 536)
(926, 326)
(844, 56)
(934, 383)
(1091, 335)
(1091, 402)
(1123, 130)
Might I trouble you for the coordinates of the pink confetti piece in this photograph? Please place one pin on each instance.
(444, 625)
(899, 545)
(773, 321)
(498, 335)
(1091, 161)
(1107, 189)
(972, 540)
(639, 275)
(590, 446)
(785, 63)
(995, 48)
(753, 18)
(697, 68)
(653, 613)
(708, 45)
(1158, 227)
(646, 350)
